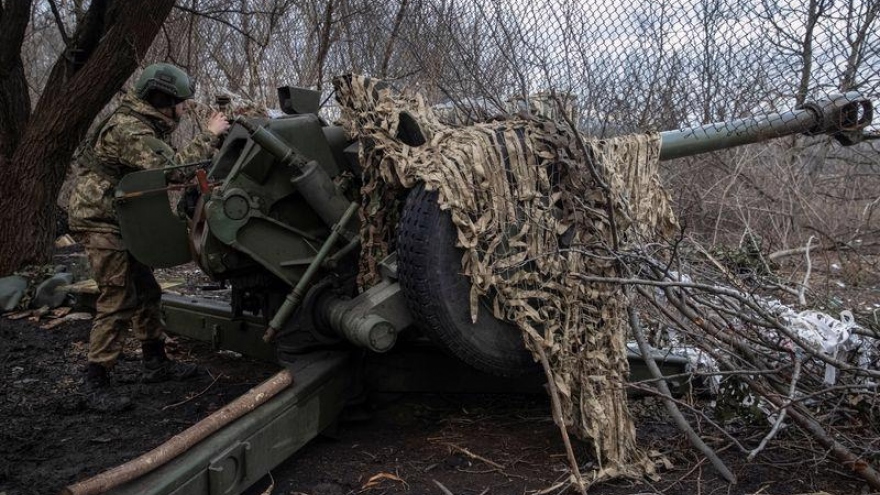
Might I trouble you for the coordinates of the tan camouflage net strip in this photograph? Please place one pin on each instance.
(530, 218)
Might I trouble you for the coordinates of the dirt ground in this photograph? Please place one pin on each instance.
(418, 444)
(405, 444)
(508, 445)
(49, 438)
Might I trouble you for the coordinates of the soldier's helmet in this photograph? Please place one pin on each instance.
(166, 79)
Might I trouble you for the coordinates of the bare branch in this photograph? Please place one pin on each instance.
(680, 421)
(779, 420)
(58, 22)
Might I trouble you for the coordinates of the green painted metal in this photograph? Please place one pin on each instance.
(275, 246)
(291, 302)
(154, 234)
(411, 366)
(238, 455)
(843, 116)
(714, 137)
(286, 153)
(371, 320)
(277, 202)
(295, 100)
(212, 322)
(312, 180)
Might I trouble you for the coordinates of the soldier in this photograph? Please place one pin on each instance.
(135, 137)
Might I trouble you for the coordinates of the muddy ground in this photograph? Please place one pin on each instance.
(403, 444)
(415, 444)
(508, 445)
(49, 438)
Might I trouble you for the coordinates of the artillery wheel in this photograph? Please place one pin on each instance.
(429, 267)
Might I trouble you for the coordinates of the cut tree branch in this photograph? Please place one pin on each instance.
(679, 419)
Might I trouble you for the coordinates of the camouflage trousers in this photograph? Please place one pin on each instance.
(128, 295)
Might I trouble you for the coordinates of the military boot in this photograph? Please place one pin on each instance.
(158, 368)
(101, 395)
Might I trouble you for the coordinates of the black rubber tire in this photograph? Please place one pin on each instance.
(429, 267)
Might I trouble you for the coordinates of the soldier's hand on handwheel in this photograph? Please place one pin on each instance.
(218, 124)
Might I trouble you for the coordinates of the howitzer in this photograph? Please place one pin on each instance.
(281, 230)
(844, 117)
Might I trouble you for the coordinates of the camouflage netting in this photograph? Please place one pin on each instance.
(531, 215)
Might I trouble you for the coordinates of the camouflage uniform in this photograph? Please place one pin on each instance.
(134, 138)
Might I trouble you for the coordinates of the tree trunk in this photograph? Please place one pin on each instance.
(107, 47)
(325, 40)
(15, 104)
(815, 12)
(389, 45)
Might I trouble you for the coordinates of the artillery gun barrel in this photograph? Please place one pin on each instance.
(843, 116)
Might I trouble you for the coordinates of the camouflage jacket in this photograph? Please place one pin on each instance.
(135, 137)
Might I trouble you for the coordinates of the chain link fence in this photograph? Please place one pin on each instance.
(634, 67)
(647, 65)
(611, 68)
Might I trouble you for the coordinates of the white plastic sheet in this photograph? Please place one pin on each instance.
(834, 337)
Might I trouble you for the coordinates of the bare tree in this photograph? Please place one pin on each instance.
(797, 45)
(861, 40)
(36, 143)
